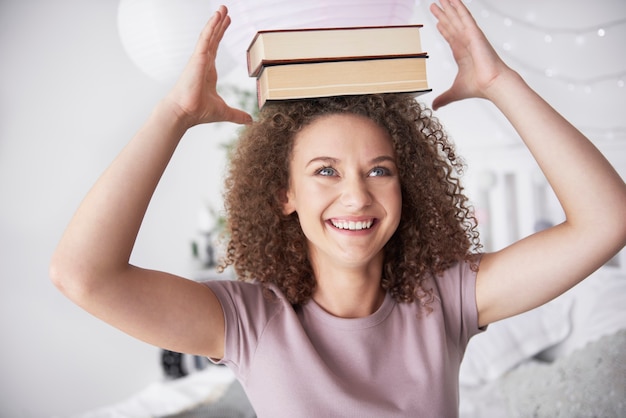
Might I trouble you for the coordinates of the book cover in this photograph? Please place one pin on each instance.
(317, 44)
(301, 79)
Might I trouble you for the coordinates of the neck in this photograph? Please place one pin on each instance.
(349, 293)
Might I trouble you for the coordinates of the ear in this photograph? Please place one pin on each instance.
(287, 200)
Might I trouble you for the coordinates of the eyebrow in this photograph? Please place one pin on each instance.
(325, 160)
(331, 160)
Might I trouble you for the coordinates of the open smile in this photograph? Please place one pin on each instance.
(352, 225)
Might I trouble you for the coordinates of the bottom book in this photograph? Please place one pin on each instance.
(304, 79)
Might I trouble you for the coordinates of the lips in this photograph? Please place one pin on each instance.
(351, 225)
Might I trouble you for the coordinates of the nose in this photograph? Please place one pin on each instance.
(355, 193)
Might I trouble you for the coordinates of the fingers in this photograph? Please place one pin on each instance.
(453, 18)
(443, 99)
(449, 23)
(463, 14)
(224, 24)
(213, 32)
(454, 10)
(238, 116)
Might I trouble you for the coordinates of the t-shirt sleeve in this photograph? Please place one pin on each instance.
(457, 289)
(246, 314)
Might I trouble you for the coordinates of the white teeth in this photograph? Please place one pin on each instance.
(351, 225)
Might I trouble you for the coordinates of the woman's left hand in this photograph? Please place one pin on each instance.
(479, 66)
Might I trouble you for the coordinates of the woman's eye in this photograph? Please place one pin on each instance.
(326, 171)
(379, 171)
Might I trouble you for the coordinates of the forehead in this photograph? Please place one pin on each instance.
(344, 132)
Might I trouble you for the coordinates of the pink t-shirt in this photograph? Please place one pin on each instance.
(401, 361)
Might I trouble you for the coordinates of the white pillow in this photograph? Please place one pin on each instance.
(598, 310)
(511, 341)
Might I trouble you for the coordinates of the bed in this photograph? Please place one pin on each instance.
(564, 359)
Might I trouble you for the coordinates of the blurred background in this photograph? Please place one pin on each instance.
(78, 77)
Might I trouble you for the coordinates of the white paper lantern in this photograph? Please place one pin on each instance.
(159, 35)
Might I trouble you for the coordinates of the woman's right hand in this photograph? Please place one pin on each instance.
(194, 97)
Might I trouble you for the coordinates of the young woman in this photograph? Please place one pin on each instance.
(361, 281)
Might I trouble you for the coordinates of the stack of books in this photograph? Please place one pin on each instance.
(321, 62)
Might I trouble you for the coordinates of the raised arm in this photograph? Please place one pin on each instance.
(91, 263)
(593, 196)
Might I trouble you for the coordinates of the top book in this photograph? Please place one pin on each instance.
(273, 47)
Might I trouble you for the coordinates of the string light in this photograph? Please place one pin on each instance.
(571, 83)
(509, 20)
(604, 83)
(612, 82)
(580, 37)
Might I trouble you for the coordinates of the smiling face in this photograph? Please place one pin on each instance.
(345, 189)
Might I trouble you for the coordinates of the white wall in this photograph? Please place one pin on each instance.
(70, 99)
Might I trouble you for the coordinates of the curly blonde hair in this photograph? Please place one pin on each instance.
(437, 227)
